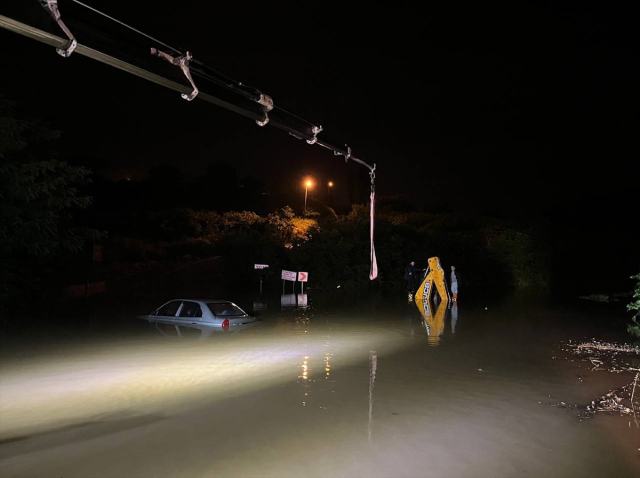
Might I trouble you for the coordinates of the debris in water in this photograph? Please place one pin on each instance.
(615, 358)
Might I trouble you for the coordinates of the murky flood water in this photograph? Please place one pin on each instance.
(364, 391)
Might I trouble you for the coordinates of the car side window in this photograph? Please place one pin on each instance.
(170, 309)
(225, 308)
(191, 309)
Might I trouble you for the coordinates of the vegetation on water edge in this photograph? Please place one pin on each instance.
(634, 327)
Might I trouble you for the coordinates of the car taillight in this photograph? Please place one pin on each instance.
(225, 324)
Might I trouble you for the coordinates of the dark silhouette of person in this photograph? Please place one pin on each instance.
(410, 275)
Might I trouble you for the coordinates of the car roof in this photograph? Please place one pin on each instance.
(209, 301)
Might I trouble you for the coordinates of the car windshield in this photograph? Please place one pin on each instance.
(225, 308)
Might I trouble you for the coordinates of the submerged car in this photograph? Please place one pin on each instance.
(210, 313)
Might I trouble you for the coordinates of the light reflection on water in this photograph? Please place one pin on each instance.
(346, 384)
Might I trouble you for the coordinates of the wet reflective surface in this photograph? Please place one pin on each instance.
(375, 389)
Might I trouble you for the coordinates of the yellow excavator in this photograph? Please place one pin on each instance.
(434, 275)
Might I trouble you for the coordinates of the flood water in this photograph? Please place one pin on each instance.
(369, 388)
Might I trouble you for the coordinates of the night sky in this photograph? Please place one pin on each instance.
(525, 112)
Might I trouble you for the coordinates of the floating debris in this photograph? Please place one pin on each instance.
(609, 357)
(612, 402)
(595, 345)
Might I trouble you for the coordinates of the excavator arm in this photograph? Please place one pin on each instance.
(434, 322)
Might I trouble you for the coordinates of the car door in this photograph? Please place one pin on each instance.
(167, 313)
(189, 314)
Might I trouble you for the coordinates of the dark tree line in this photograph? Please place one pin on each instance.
(39, 195)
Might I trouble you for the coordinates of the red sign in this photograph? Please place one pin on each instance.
(303, 276)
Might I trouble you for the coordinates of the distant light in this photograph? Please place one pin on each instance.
(330, 184)
(309, 184)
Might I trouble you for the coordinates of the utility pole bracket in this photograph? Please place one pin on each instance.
(52, 7)
(315, 130)
(183, 62)
(267, 105)
(347, 155)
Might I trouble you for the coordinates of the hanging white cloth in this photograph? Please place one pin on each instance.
(373, 273)
(373, 358)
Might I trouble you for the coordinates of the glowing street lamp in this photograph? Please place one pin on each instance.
(307, 184)
(329, 186)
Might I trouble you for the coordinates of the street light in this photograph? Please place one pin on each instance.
(307, 184)
(329, 186)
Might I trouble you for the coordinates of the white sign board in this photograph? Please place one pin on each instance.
(289, 275)
(303, 276)
(288, 300)
(302, 300)
(261, 266)
(257, 305)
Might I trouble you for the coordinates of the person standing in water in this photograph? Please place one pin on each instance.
(454, 283)
(410, 276)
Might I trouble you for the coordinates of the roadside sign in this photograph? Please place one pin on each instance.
(303, 276)
(261, 266)
(288, 300)
(259, 305)
(87, 289)
(302, 300)
(289, 275)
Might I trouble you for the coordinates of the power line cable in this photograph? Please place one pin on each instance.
(125, 25)
(222, 80)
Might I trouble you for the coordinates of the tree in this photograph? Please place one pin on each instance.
(37, 200)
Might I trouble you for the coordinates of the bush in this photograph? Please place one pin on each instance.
(131, 249)
(336, 252)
